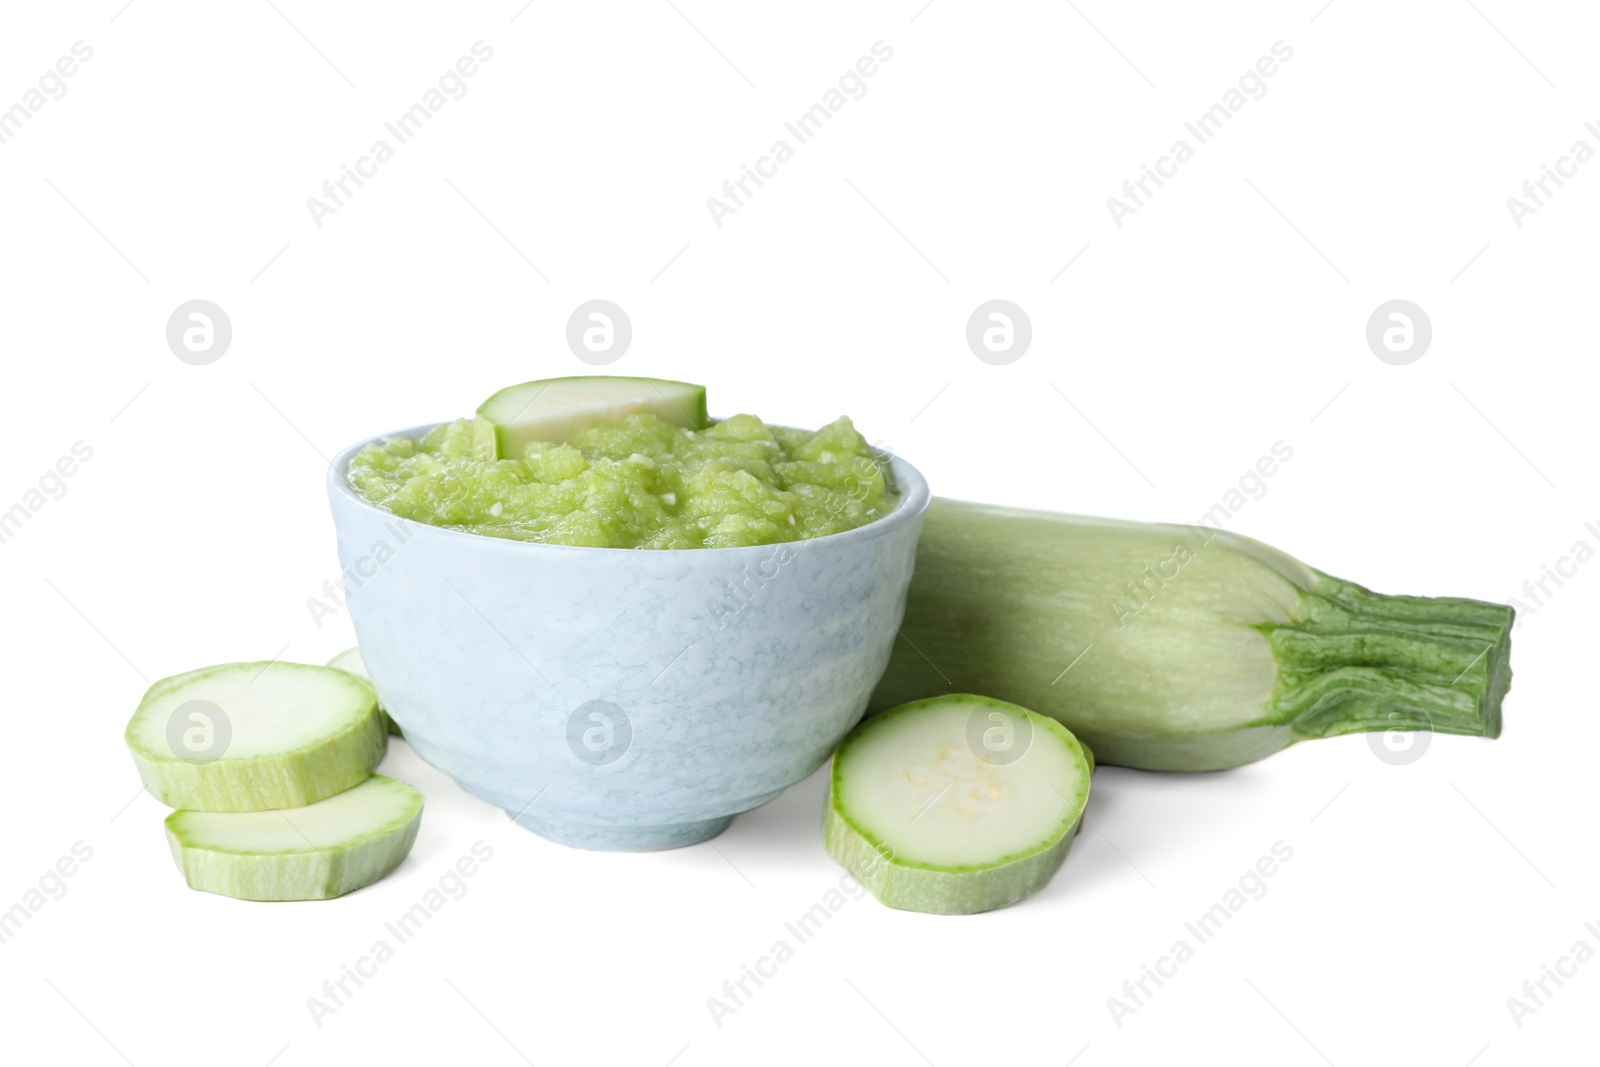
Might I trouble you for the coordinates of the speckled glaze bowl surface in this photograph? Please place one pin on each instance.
(623, 699)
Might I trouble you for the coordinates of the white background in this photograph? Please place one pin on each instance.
(1227, 314)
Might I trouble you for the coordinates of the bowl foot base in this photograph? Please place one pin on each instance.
(624, 838)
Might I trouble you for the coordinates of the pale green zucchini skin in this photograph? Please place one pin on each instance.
(215, 858)
(290, 779)
(902, 883)
(936, 892)
(513, 417)
(1182, 648)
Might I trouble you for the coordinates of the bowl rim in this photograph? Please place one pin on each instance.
(914, 498)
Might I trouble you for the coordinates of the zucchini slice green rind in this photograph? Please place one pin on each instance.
(1182, 648)
(559, 410)
(255, 736)
(955, 805)
(350, 660)
(323, 850)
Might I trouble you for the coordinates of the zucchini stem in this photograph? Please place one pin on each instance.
(1354, 660)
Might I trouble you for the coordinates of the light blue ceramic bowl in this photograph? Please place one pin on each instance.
(621, 698)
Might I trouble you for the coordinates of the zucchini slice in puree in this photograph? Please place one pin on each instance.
(254, 736)
(559, 410)
(955, 805)
(316, 852)
(350, 660)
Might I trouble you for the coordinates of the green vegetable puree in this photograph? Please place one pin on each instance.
(638, 483)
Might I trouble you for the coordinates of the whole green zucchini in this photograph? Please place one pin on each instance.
(1182, 648)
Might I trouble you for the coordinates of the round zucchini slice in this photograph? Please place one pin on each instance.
(254, 736)
(316, 852)
(955, 805)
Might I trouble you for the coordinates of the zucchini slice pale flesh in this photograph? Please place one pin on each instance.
(316, 852)
(955, 805)
(255, 736)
